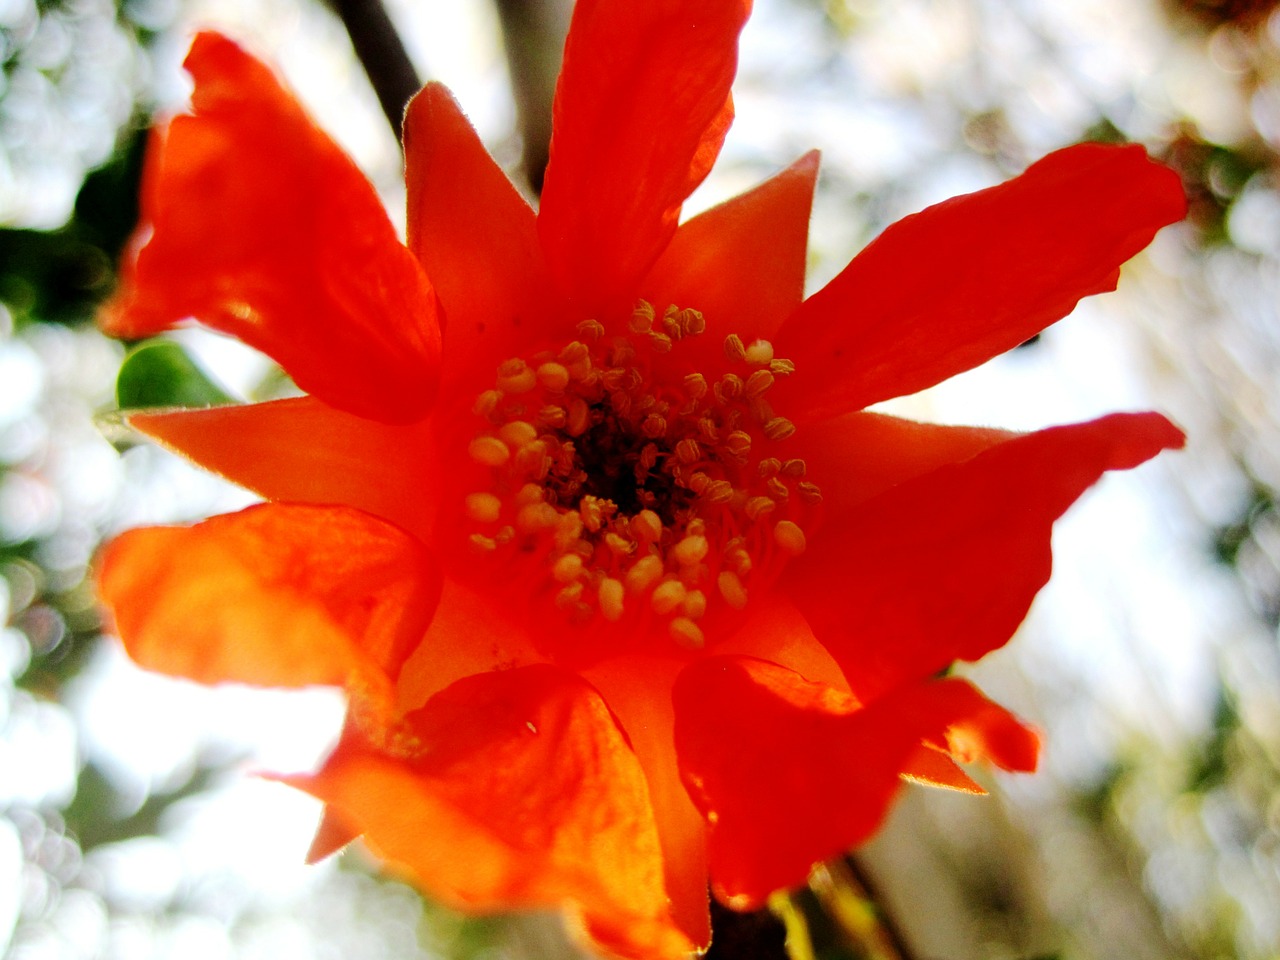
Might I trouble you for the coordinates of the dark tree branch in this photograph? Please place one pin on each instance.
(382, 54)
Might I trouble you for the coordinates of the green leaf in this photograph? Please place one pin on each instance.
(159, 373)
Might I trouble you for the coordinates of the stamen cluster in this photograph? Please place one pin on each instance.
(641, 491)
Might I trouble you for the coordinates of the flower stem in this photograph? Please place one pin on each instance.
(381, 52)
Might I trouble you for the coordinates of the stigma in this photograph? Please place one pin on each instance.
(632, 488)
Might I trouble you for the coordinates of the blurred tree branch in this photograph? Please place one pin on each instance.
(382, 54)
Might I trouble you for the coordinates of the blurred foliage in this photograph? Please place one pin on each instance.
(160, 373)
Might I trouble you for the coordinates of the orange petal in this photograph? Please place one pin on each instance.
(988, 733)
(741, 263)
(255, 223)
(277, 595)
(790, 773)
(944, 567)
(641, 109)
(856, 456)
(474, 234)
(523, 793)
(305, 451)
(638, 691)
(946, 289)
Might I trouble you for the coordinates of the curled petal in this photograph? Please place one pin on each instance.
(278, 595)
(944, 567)
(515, 789)
(641, 109)
(948, 288)
(255, 223)
(789, 773)
(476, 237)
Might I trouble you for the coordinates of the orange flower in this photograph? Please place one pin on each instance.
(625, 596)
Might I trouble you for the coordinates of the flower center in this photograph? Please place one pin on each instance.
(641, 488)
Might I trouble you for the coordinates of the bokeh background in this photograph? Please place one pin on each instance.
(131, 825)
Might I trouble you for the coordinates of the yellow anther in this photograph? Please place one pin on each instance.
(769, 466)
(642, 317)
(777, 489)
(487, 402)
(729, 388)
(518, 433)
(789, 538)
(568, 529)
(698, 482)
(483, 507)
(757, 506)
(779, 428)
(707, 427)
(489, 452)
(553, 416)
(618, 545)
(648, 457)
(738, 445)
(505, 535)
(567, 569)
(671, 311)
(529, 493)
(654, 426)
(686, 633)
(576, 358)
(733, 348)
(737, 558)
(731, 588)
(690, 550)
(760, 352)
(758, 383)
(532, 461)
(659, 342)
(514, 376)
(809, 492)
(719, 491)
(481, 543)
(794, 468)
(695, 386)
(671, 324)
(590, 329)
(646, 526)
(536, 517)
(782, 368)
(594, 511)
(667, 595)
(694, 604)
(579, 417)
(610, 597)
(644, 573)
(692, 322)
(688, 450)
(569, 598)
(553, 376)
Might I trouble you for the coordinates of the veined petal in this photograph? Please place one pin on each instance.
(944, 567)
(304, 451)
(864, 454)
(255, 223)
(948, 288)
(518, 790)
(641, 109)
(476, 237)
(278, 595)
(789, 773)
(741, 263)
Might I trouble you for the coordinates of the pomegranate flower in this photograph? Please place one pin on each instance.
(583, 509)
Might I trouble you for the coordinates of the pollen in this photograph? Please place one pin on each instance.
(631, 489)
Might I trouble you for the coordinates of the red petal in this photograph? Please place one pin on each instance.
(303, 451)
(858, 455)
(256, 223)
(641, 109)
(946, 289)
(789, 773)
(518, 791)
(741, 263)
(944, 567)
(276, 595)
(474, 234)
